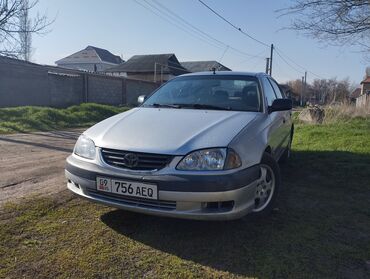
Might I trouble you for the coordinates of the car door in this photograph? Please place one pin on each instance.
(286, 115)
(276, 127)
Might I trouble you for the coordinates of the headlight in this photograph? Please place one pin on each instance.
(210, 159)
(85, 147)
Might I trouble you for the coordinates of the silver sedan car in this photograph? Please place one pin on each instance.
(202, 146)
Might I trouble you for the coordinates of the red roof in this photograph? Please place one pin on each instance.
(366, 80)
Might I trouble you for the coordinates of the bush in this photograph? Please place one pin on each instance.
(345, 112)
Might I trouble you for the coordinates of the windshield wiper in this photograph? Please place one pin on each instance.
(203, 106)
(164, 105)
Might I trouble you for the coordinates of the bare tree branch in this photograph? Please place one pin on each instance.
(17, 28)
(338, 22)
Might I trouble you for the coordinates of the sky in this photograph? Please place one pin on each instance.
(130, 27)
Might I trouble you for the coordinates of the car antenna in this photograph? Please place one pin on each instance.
(214, 70)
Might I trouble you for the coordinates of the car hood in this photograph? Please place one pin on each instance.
(169, 131)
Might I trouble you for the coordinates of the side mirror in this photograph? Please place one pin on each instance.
(141, 99)
(280, 105)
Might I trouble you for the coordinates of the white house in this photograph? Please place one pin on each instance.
(91, 58)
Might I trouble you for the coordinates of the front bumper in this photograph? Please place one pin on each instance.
(202, 197)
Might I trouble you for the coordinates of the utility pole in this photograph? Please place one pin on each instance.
(305, 82)
(271, 54)
(267, 65)
(302, 89)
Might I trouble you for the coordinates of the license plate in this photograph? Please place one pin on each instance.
(127, 188)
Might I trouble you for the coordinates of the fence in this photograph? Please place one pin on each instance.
(24, 84)
(363, 100)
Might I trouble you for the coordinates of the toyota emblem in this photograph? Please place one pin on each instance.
(130, 160)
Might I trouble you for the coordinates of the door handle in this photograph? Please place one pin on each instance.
(284, 120)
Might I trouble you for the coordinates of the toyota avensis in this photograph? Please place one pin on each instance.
(202, 146)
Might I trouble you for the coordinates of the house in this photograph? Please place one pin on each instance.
(354, 95)
(91, 59)
(203, 66)
(364, 98)
(152, 67)
(365, 86)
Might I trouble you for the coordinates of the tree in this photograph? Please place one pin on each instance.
(328, 91)
(342, 22)
(296, 87)
(16, 27)
(321, 91)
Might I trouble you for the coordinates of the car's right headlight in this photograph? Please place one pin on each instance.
(85, 147)
(210, 159)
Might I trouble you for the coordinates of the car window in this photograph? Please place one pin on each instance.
(239, 93)
(269, 91)
(277, 90)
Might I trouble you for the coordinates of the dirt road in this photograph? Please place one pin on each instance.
(33, 164)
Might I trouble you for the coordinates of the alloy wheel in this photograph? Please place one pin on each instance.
(265, 188)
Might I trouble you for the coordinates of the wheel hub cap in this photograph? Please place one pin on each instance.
(265, 188)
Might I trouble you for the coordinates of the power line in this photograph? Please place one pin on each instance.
(177, 17)
(172, 18)
(258, 55)
(233, 25)
(178, 26)
(303, 68)
(223, 54)
(288, 74)
(281, 54)
(286, 62)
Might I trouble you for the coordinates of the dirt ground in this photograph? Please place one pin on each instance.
(33, 164)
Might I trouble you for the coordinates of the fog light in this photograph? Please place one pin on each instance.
(218, 206)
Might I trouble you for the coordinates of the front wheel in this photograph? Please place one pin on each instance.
(268, 186)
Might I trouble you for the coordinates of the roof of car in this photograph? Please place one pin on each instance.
(226, 73)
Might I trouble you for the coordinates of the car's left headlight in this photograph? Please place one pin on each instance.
(85, 147)
(210, 159)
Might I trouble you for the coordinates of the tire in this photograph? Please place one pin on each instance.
(270, 172)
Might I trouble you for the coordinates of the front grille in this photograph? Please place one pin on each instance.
(135, 160)
(138, 202)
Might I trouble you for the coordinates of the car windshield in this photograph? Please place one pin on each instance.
(217, 92)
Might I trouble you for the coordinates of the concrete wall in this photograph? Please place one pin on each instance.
(20, 86)
(137, 88)
(65, 90)
(106, 90)
(150, 76)
(102, 66)
(23, 83)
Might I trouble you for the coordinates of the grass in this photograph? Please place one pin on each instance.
(29, 118)
(345, 112)
(321, 230)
